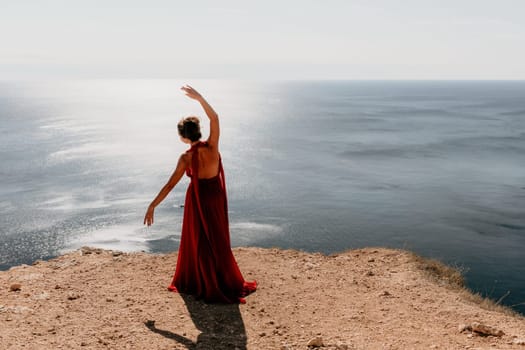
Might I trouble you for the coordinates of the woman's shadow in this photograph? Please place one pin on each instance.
(221, 326)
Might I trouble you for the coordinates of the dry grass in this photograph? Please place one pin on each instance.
(488, 304)
(440, 272)
(453, 278)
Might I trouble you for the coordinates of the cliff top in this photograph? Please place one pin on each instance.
(370, 298)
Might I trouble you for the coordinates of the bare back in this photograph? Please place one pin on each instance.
(208, 161)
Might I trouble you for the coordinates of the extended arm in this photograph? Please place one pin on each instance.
(213, 139)
(174, 179)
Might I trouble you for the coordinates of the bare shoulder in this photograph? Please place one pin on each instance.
(211, 150)
(185, 159)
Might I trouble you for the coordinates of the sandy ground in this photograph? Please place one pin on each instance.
(362, 299)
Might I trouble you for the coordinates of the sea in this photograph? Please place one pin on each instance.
(436, 167)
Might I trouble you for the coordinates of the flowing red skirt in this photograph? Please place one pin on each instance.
(206, 267)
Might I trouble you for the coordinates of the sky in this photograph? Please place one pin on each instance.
(270, 39)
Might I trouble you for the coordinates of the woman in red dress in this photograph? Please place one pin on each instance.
(206, 267)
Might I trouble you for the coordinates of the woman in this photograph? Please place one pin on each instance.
(206, 267)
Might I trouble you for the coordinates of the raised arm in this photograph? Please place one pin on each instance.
(174, 179)
(213, 139)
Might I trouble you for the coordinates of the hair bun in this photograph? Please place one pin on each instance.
(189, 128)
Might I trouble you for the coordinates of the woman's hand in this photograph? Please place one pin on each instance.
(148, 218)
(191, 92)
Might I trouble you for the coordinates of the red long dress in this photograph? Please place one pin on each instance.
(206, 267)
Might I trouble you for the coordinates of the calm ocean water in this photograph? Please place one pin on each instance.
(435, 167)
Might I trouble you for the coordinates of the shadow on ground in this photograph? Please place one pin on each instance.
(221, 326)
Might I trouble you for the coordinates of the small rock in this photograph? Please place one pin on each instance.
(117, 253)
(15, 287)
(369, 273)
(41, 296)
(341, 346)
(371, 260)
(315, 342)
(385, 294)
(519, 341)
(486, 330)
(309, 265)
(102, 341)
(20, 309)
(90, 250)
(85, 250)
(464, 327)
(72, 296)
(262, 334)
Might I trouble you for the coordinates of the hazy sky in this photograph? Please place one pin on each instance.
(347, 39)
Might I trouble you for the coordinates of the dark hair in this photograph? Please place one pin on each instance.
(190, 128)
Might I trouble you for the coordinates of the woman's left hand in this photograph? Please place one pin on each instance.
(148, 218)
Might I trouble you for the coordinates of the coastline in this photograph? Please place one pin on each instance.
(371, 298)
